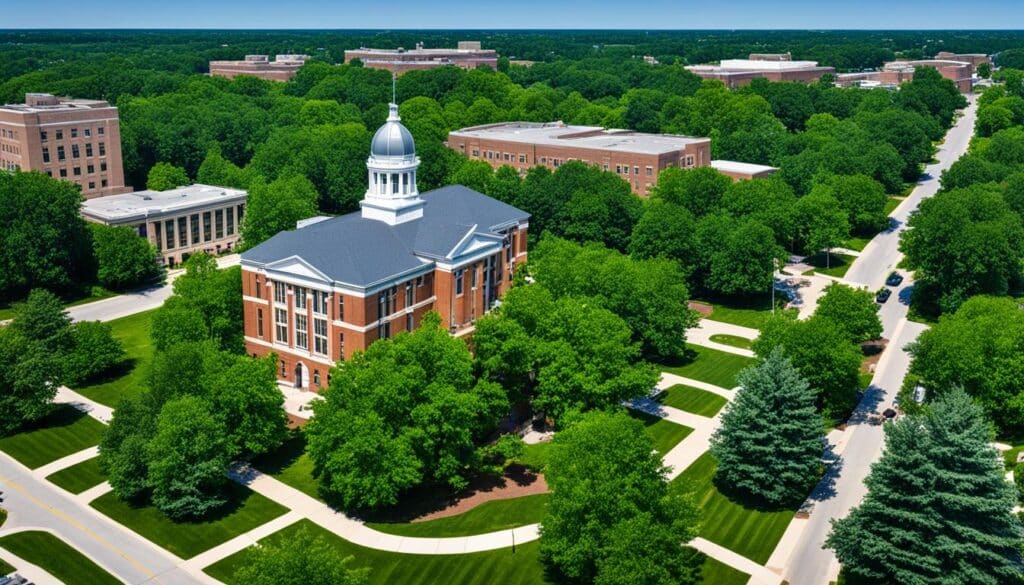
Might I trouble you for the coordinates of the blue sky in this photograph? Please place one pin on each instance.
(648, 14)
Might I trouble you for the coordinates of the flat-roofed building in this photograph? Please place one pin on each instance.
(637, 157)
(773, 67)
(741, 171)
(282, 68)
(179, 222)
(895, 73)
(68, 139)
(468, 55)
(974, 59)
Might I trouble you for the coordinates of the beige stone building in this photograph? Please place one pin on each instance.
(741, 171)
(637, 157)
(468, 55)
(282, 68)
(68, 139)
(179, 222)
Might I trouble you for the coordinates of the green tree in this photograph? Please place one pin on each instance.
(251, 405)
(853, 309)
(300, 559)
(822, 223)
(700, 190)
(219, 171)
(665, 230)
(984, 70)
(215, 295)
(164, 176)
(475, 174)
(276, 207)
(611, 518)
(123, 456)
(95, 351)
(863, 199)
(770, 443)
(738, 256)
(28, 380)
(938, 508)
(188, 459)
(123, 258)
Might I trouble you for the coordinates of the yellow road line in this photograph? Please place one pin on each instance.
(152, 576)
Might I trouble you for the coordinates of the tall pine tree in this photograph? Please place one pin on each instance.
(938, 508)
(770, 443)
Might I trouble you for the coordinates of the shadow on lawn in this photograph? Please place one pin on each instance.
(63, 415)
(116, 372)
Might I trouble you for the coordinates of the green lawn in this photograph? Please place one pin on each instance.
(487, 517)
(133, 332)
(748, 531)
(893, 202)
(733, 340)
(837, 264)
(245, 510)
(291, 465)
(57, 558)
(664, 434)
(535, 455)
(749, 312)
(693, 400)
(504, 566)
(64, 431)
(713, 572)
(710, 365)
(5, 568)
(856, 243)
(79, 477)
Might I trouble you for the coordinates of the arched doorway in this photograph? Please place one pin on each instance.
(301, 375)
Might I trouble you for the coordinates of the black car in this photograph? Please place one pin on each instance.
(895, 278)
(883, 295)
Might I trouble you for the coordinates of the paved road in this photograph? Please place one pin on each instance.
(136, 302)
(843, 488)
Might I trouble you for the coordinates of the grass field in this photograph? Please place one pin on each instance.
(291, 465)
(64, 431)
(79, 477)
(535, 456)
(733, 340)
(710, 365)
(693, 400)
(663, 434)
(133, 333)
(487, 517)
(838, 264)
(893, 202)
(856, 243)
(56, 558)
(750, 312)
(521, 567)
(5, 568)
(245, 510)
(743, 529)
(713, 572)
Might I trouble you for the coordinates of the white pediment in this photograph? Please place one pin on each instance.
(296, 267)
(474, 243)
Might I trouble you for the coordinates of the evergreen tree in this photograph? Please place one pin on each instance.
(770, 443)
(938, 508)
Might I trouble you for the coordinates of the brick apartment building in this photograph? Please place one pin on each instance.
(468, 55)
(179, 222)
(770, 66)
(74, 140)
(282, 68)
(333, 286)
(637, 157)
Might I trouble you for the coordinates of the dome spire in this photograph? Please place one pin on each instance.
(391, 194)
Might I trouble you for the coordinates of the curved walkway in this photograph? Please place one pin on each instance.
(701, 335)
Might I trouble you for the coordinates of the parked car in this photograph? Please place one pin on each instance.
(895, 278)
(883, 295)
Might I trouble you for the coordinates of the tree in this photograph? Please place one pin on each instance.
(665, 230)
(165, 176)
(251, 405)
(769, 201)
(123, 258)
(475, 174)
(863, 199)
(822, 352)
(611, 518)
(984, 70)
(43, 238)
(853, 309)
(406, 411)
(938, 508)
(95, 351)
(822, 223)
(978, 348)
(770, 443)
(212, 294)
(277, 207)
(300, 559)
(219, 171)
(700, 190)
(738, 256)
(123, 456)
(188, 459)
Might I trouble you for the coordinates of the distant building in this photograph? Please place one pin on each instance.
(741, 171)
(974, 59)
(68, 139)
(333, 286)
(895, 73)
(637, 157)
(282, 68)
(179, 222)
(770, 66)
(468, 55)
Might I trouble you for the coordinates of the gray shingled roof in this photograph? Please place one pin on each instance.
(361, 252)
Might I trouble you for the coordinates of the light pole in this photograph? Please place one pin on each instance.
(775, 268)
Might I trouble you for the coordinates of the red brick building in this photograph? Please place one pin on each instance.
(282, 68)
(637, 157)
(770, 66)
(333, 286)
(72, 140)
(468, 55)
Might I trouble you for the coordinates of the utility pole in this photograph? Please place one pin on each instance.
(775, 268)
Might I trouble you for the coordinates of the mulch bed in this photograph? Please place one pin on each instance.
(516, 483)
(704, 309)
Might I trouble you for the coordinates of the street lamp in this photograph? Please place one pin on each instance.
(775, 268)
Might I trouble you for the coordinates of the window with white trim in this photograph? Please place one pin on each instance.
(320, 302)
(408, 294)
(320, 336)
(281, 325)
(279, 288)
(300, 296)
(301, 331)
(458, 282)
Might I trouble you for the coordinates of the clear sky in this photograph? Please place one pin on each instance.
(564, 14)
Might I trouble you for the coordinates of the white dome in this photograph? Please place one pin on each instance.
(393, 140)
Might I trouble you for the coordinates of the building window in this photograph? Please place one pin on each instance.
(300, 296)
(316, 377)
(650, 171)
(74, 151)
(103, 149)
(169, 233)
(92, 185)
(42, 135)
(77, 171)
(636, 170)
(320, 336)
(458, 282)
(156, 236)
(476, 152)
(88, 133)
(103, 182)
(99, 131)
(103, 167)
(88, 149)
(60, 135)
(258, 288)
(341, 307)
(394, 183)
(194, 220)
(63, 172)
(419, 281)
(301, 332)
(522, 158)
(231, 220)
(46, 154)
(207, 232)
(90, 169)
(219, 223)
(408, 294)
(182, 232)
(74, 132)
(410, 322)
(384, 330)
(341, 345)
(259, 322)
(279, 292)
(320, 302)
(472, 278)
(283, 370)
(60, 153)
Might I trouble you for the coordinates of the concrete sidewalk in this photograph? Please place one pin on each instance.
(668, 380)
(701, 335)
